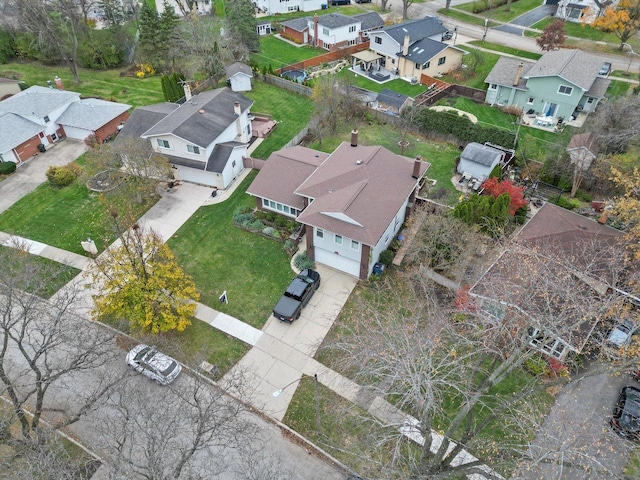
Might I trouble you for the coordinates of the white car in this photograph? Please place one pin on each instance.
(155, 365)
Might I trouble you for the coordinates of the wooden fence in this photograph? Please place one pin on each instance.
(325, 58)
(288, 85)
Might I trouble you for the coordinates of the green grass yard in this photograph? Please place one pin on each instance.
(503, 49)
(106, 84)
(518, 7)
(63, 217)
(277, 52)
(254, 270)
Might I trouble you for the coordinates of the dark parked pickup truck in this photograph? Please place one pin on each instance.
(297, 295)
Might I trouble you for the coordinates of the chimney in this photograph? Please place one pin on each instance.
(236, 109)
(518, 74)
(405, 46)
(354, 138)
(316, 40)
(416, 167)
(187, 91)
(59, 83)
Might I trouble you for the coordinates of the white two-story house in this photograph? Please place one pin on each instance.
(352, 202)
(205, 139)
(274, 7)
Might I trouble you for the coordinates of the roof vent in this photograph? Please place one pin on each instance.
(582, 227)
(358, 162)
(200, 111)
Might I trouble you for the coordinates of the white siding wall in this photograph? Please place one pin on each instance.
(388, 235)
(336, 35)
(233, 167)
(241, 83)
(328, 243)
(9, 157)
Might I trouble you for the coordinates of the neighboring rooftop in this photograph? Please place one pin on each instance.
(91, 113)
(572, 65)
(38, 101)
(238, 67)
(416, 29)
(505, 72)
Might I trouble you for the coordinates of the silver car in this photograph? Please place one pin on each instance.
(155, 365)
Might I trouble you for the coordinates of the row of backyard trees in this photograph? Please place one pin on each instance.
(66, 32)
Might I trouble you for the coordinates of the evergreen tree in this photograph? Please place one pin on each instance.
(150, 40)
(241, 25)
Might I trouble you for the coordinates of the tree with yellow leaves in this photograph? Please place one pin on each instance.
(141, 281)
(622, 20)
(627, 207)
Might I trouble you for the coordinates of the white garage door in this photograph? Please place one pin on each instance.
(338, 262)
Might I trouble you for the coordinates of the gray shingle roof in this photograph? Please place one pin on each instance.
(505, 70)
(370, 21)
(238, 67)
(416, 29)
(143, 118)
(91, 113)
(335, 20)
(220, 155)
(203, 118)
(37, 101)
(392, 98)
(15, 130)
(572, 65)
(475, 152)
(297, 24)
(424, 50)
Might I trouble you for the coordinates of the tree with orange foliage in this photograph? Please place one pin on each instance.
(552, 37)
(622, 20)
(496, 188)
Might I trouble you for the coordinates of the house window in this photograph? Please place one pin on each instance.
(355, 245)
(352, 42)
(193, 149)
(319, 233)
(551, 346)
(279, 207)
(396, 222)
(493, 86)
(338, 239)
(590, 100)
(325, 31)
(441, 60)
(163, 143)
(564, 90)
(530, 101)
(418, 66)
(352, 28)
(46, 119)
(272, 204)
(426, 65)
(285, 209)
(233, 164)
(378, 40)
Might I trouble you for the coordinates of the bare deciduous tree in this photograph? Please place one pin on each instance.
(43, 344)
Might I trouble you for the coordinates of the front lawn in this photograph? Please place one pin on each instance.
(503, 49)
(476, 78)
(291, 111)
(106, 84)
(63, 217)
(254, 270)
(518, 7)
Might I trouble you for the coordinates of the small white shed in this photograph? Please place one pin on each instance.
(239, 77)
(478, 160)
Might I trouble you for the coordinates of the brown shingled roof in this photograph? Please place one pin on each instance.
(357, 191)
(284, 172)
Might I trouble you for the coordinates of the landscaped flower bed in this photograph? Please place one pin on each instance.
(267, 224)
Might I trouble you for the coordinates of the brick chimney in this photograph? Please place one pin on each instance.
(236, 109)
(354, 138)
(405, 46)
(416, 167)
(518, 74)
(316, 40)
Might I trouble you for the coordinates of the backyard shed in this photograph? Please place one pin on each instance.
(478, 160)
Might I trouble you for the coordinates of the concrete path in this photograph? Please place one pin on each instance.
(527, 19)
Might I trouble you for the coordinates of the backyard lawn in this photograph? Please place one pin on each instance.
(63, 217)
(476, 78)
(291, 111)
(254, 270)
(106, 84)
(397, 85)
(278, 53)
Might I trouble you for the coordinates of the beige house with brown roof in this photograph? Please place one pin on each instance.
(352, 202)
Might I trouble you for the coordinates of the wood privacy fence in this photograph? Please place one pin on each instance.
(289, 85)
(325, 58)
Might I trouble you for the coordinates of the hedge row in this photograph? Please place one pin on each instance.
(463, 128)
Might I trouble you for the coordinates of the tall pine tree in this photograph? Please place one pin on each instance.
(241, 25)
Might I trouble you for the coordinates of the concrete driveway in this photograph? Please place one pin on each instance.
(575, 441)
(278, 358)
(32, 173)
(527, 19)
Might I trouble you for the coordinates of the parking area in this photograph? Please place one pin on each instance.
(575, 441)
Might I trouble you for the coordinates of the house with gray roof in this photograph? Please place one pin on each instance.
(582, 11)
(415, 47)
(561, 84)
(335, 30)
(351, 202)
(46, 115)
(204, 139)
(478, 160)
(239, 76)
(392, 102)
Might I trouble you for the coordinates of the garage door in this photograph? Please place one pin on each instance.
(28, 149)
(338, 262)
